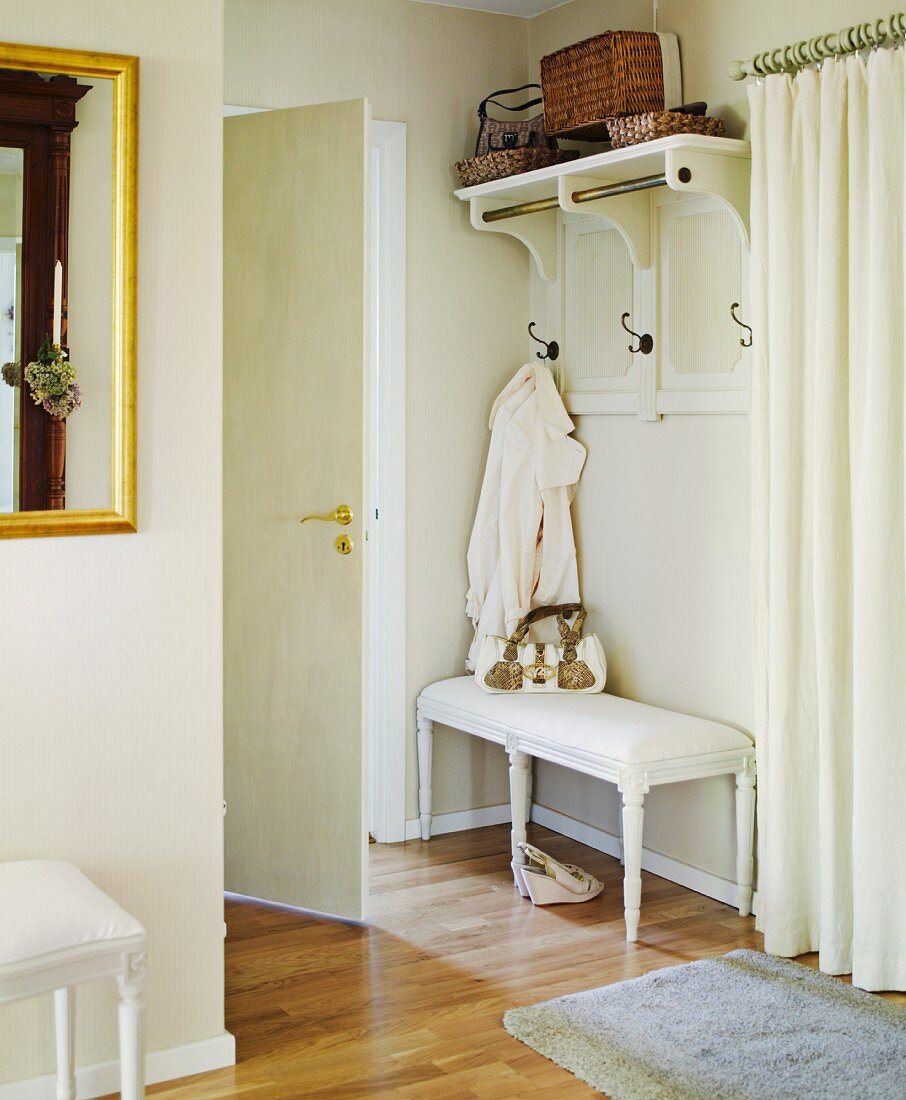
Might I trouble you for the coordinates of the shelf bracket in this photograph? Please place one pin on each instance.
(629, 214)
(538, 232)
(725, 178)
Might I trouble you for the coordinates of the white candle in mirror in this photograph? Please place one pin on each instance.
(58, 303)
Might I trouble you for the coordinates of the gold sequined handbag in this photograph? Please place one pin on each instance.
(543, 668)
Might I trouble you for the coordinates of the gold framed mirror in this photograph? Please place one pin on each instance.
(45, 488)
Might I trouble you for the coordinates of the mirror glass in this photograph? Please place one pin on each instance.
(11, 168)
(56, 277)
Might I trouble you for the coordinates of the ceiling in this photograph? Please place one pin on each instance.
(525, 8)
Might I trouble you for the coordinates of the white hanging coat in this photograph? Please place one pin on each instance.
(522, 553)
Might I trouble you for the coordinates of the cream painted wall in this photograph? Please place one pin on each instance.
(427, 66)
(110, 720)
(715, 32)
(581, 19)
(662, 524)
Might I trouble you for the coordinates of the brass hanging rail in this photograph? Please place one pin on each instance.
(785, 59)
(603, 192)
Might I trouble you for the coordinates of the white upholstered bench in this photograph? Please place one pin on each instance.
(57, 930)
(630, 744)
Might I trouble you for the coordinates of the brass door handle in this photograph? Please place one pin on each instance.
(342, 515)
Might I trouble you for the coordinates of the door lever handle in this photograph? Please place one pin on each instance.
(341, 515)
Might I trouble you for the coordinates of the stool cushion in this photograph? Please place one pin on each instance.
(48, 906)
(604, 725)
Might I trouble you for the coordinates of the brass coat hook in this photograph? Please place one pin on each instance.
(646, 341)
(742, 324)
(551, 350)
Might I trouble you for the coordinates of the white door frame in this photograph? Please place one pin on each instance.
(386, 706)
(386, 701)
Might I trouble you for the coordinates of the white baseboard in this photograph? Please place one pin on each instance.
(104, 1077)
(702, 882)
(461, 820)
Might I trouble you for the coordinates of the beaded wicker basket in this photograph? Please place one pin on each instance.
(500, 163)
(634, 129)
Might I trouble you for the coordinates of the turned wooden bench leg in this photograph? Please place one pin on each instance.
(132, 1027)
(520, 773)
(745, 829)
(425, 753)
(64, 1014)
(633, 793)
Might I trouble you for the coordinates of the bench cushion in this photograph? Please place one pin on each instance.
(604, 725)
(48, 906)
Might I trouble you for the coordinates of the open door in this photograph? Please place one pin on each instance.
(295, 294)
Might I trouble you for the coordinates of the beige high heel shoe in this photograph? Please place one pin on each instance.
(519, 878)
(552, 882)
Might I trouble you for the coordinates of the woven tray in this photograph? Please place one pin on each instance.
(617, 73)
(500, 163)
(634, 129)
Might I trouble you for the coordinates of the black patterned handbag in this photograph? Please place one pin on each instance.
(508, 147)
(495, 134)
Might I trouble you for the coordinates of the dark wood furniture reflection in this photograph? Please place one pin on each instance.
(38, 115)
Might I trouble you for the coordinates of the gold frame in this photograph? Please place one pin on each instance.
(120, 517)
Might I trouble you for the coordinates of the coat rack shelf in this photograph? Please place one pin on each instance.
(615, 186)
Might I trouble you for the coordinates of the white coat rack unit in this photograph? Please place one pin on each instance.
(638, 203)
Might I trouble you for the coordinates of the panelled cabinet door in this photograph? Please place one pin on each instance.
(702, 366)
(600, 283)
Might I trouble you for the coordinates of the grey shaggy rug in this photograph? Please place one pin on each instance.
(743, 1026)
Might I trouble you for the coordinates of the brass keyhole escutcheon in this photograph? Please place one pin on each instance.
(343, 544)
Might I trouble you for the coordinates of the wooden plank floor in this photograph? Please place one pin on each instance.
(410, 1006)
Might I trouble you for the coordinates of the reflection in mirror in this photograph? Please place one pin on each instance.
(55, 252)
(11, 171)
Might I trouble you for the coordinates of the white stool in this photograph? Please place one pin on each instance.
(58, 929)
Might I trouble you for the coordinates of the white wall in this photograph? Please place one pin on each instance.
(582, 19)
(467, 308)
(662, 523)
(110, 649)
(715, 32)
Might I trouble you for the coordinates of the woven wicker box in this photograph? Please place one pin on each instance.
(617, 73)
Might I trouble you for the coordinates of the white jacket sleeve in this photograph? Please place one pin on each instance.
(520, 524)
(558, 578)
(484, 545)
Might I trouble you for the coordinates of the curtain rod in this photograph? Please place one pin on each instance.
(603, 192)
(786, 59)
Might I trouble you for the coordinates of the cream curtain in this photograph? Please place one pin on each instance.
(828, 193)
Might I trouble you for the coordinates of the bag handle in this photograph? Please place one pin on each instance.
(483, 106)
(558, 610)
(575, 630)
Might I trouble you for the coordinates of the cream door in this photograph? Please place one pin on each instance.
(295, 257)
